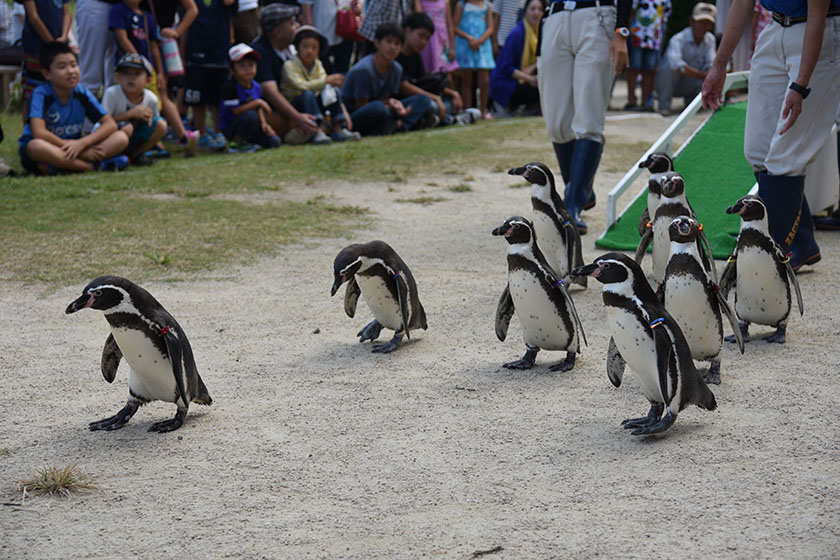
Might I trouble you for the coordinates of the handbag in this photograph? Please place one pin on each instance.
(169, 51)
(433, 82)
(347, 25)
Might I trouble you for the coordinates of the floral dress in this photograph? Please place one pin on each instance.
(474, 22)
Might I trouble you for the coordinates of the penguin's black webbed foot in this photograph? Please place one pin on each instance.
(745, 333)
(527, 361)
(579, 280)
(565, 365)
(170, 425)
(778, 337)
(713, 375)
(389, 346)
(666, 422)
(116, 421)
(654, 414)
(370, 331)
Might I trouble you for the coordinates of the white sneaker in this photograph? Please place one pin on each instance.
(345, 134)
(295, 137)
(321, 138)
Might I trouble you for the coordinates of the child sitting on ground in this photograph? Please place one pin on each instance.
(305, 83)
(52, 137)
(135, 108)
(242, 110)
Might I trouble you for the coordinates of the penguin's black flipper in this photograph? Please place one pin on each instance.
(565, 291)
(730, 315)
(792, 275)
(574, 252)
(644, 243)
(173, 348)
(402, 296)
(644, 220)
(111, 356)
(504, 311)
(664, 347)
(351, 297)
(615, 364)
(727, 279)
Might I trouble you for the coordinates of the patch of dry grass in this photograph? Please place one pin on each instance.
(60, 481)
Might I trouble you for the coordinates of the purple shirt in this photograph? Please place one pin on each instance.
(233, 96)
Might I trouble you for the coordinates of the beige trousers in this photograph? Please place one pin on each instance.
(575, 74)
(775, 65)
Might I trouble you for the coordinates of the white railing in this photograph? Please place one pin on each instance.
(665, 143)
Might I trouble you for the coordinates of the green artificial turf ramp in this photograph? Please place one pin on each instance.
(716, 175)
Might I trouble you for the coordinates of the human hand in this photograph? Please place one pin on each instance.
(95, 153)
(457, 102)
(306, 123)
(712, 88)
(441, 107)
(791, 109)
(161, 82)
(142, 113)
(267, 130)
(474, 44)
(451, 54)
(72, 148)
(532, 80)
(335, 80)
(618, 53)
(169, 32)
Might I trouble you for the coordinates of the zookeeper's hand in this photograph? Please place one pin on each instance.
(618, 53)
(791, 109)
(712, 88)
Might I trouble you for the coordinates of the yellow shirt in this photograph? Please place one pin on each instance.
(296, 78)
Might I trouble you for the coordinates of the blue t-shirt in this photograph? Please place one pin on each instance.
(364, 81)
(208, 38)
(140, 28)
(65, 120)
(793, 8)
(233, 96)
(51, 13)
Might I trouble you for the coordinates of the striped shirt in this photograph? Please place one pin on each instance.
(510, 12)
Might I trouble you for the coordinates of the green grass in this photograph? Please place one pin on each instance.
(54, 480)
(188, 216)
(461, 187)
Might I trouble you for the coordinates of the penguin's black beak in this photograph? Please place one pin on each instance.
(588, 270)
(517, 171)
(503, 230)
(736, 208)
(86, 300)
(339, 280)
(643, 164)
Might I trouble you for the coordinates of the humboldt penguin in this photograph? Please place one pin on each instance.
(540, 299)
(645, 336)
(154, 345)
(673, 204)
(375, 271)
(557, 236)
(694, 300)
(658, 163)
(760, 272)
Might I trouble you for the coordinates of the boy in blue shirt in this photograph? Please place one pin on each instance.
(242, 110)
(52, 137)
(373, 82)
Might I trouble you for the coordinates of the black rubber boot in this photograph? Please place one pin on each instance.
(783, 196)
(585, 161)
(804, 250)
(564, 158)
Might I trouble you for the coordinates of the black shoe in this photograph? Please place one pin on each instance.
(829, 223)
(142, 161)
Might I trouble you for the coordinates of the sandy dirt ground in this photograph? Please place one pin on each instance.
(317, 448)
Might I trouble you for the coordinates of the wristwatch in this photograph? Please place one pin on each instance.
(623, 31)
(801, 90)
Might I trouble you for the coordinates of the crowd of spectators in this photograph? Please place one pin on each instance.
(293, 72)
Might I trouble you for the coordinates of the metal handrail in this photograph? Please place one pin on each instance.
(665, 143)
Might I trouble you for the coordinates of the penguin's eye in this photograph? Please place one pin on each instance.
(604, 265)
(97, 293)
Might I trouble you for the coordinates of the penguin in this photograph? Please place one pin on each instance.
(377, 272)
(694, 300)
(760, 272)
(546, 311)
(673, 204)
(657, 163)
(154, 345)
(645, 336)
(557, 236)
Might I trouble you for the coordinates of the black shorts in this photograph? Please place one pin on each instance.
(203, 86)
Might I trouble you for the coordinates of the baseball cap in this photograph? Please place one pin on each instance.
(241, 50)
(704, 11)
(275, 14)
(134, 60)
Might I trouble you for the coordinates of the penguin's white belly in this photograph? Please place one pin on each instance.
(151, 373)
(551, 243)
(638, 350)
(381, 303)
(661, 248)
(761, 295)
(542, 325)
(687, 302)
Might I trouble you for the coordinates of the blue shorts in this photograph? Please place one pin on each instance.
(643, 59)
(142, 132)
